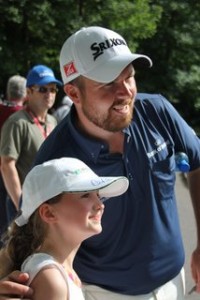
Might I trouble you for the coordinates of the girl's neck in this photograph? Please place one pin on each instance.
(66, 262)
(64, 256)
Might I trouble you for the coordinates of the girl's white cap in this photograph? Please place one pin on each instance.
(68, 174)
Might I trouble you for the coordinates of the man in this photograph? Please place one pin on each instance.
(15, 97)
(23, 132)
(116, 131)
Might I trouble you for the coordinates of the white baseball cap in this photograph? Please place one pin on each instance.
(97, 53)
(68, 174)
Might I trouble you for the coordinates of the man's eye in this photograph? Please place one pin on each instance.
(131, 76)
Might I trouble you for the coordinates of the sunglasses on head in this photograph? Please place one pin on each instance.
(44, 89)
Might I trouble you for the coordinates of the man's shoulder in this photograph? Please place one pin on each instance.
(148, 97)
(148, 101)
(16, 118)
(6, 110)
(51, 119)
(18, 115)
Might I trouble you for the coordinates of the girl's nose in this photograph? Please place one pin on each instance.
(98, 203)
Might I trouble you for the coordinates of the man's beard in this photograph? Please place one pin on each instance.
(109, 121)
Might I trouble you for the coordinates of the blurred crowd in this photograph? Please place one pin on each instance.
(27, 116)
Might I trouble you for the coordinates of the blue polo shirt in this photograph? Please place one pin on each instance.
(140, 247)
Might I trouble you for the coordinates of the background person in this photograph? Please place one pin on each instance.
(61, 207)
(23, 132)
(15, 97)
(63, 109)
(116, 131)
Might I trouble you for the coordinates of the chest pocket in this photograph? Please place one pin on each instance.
(163, 177)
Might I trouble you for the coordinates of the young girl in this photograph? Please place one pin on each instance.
(61, 207)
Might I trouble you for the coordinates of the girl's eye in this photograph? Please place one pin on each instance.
(86, 195)
(109, 83)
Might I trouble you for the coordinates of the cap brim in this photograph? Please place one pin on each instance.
(107, 186)
(115, 188)
(44, 81)
(48, 80)
(111, 69)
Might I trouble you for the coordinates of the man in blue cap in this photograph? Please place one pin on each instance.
(23, 132)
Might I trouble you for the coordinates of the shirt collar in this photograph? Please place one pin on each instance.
(91, 147)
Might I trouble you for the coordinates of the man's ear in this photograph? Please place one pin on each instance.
(47, 213)
(28, 91)
(73, 92)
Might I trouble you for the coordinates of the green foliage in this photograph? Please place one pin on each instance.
(33, 32)
(175, 51)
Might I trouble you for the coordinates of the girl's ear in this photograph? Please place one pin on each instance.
(73, 92)
(47, 214)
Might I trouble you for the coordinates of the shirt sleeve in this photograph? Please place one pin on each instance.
(184, 137)
(11, 139)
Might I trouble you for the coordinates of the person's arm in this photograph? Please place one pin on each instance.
(14, 286)
(11, 179)
(194, 188)
(49, 284)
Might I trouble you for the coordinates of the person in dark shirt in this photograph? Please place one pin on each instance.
(117, 131)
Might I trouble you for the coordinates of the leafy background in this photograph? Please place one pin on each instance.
(32, 32)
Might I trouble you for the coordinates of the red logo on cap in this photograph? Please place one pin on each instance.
(70, 69)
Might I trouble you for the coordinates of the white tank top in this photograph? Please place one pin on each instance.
(36, 262)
